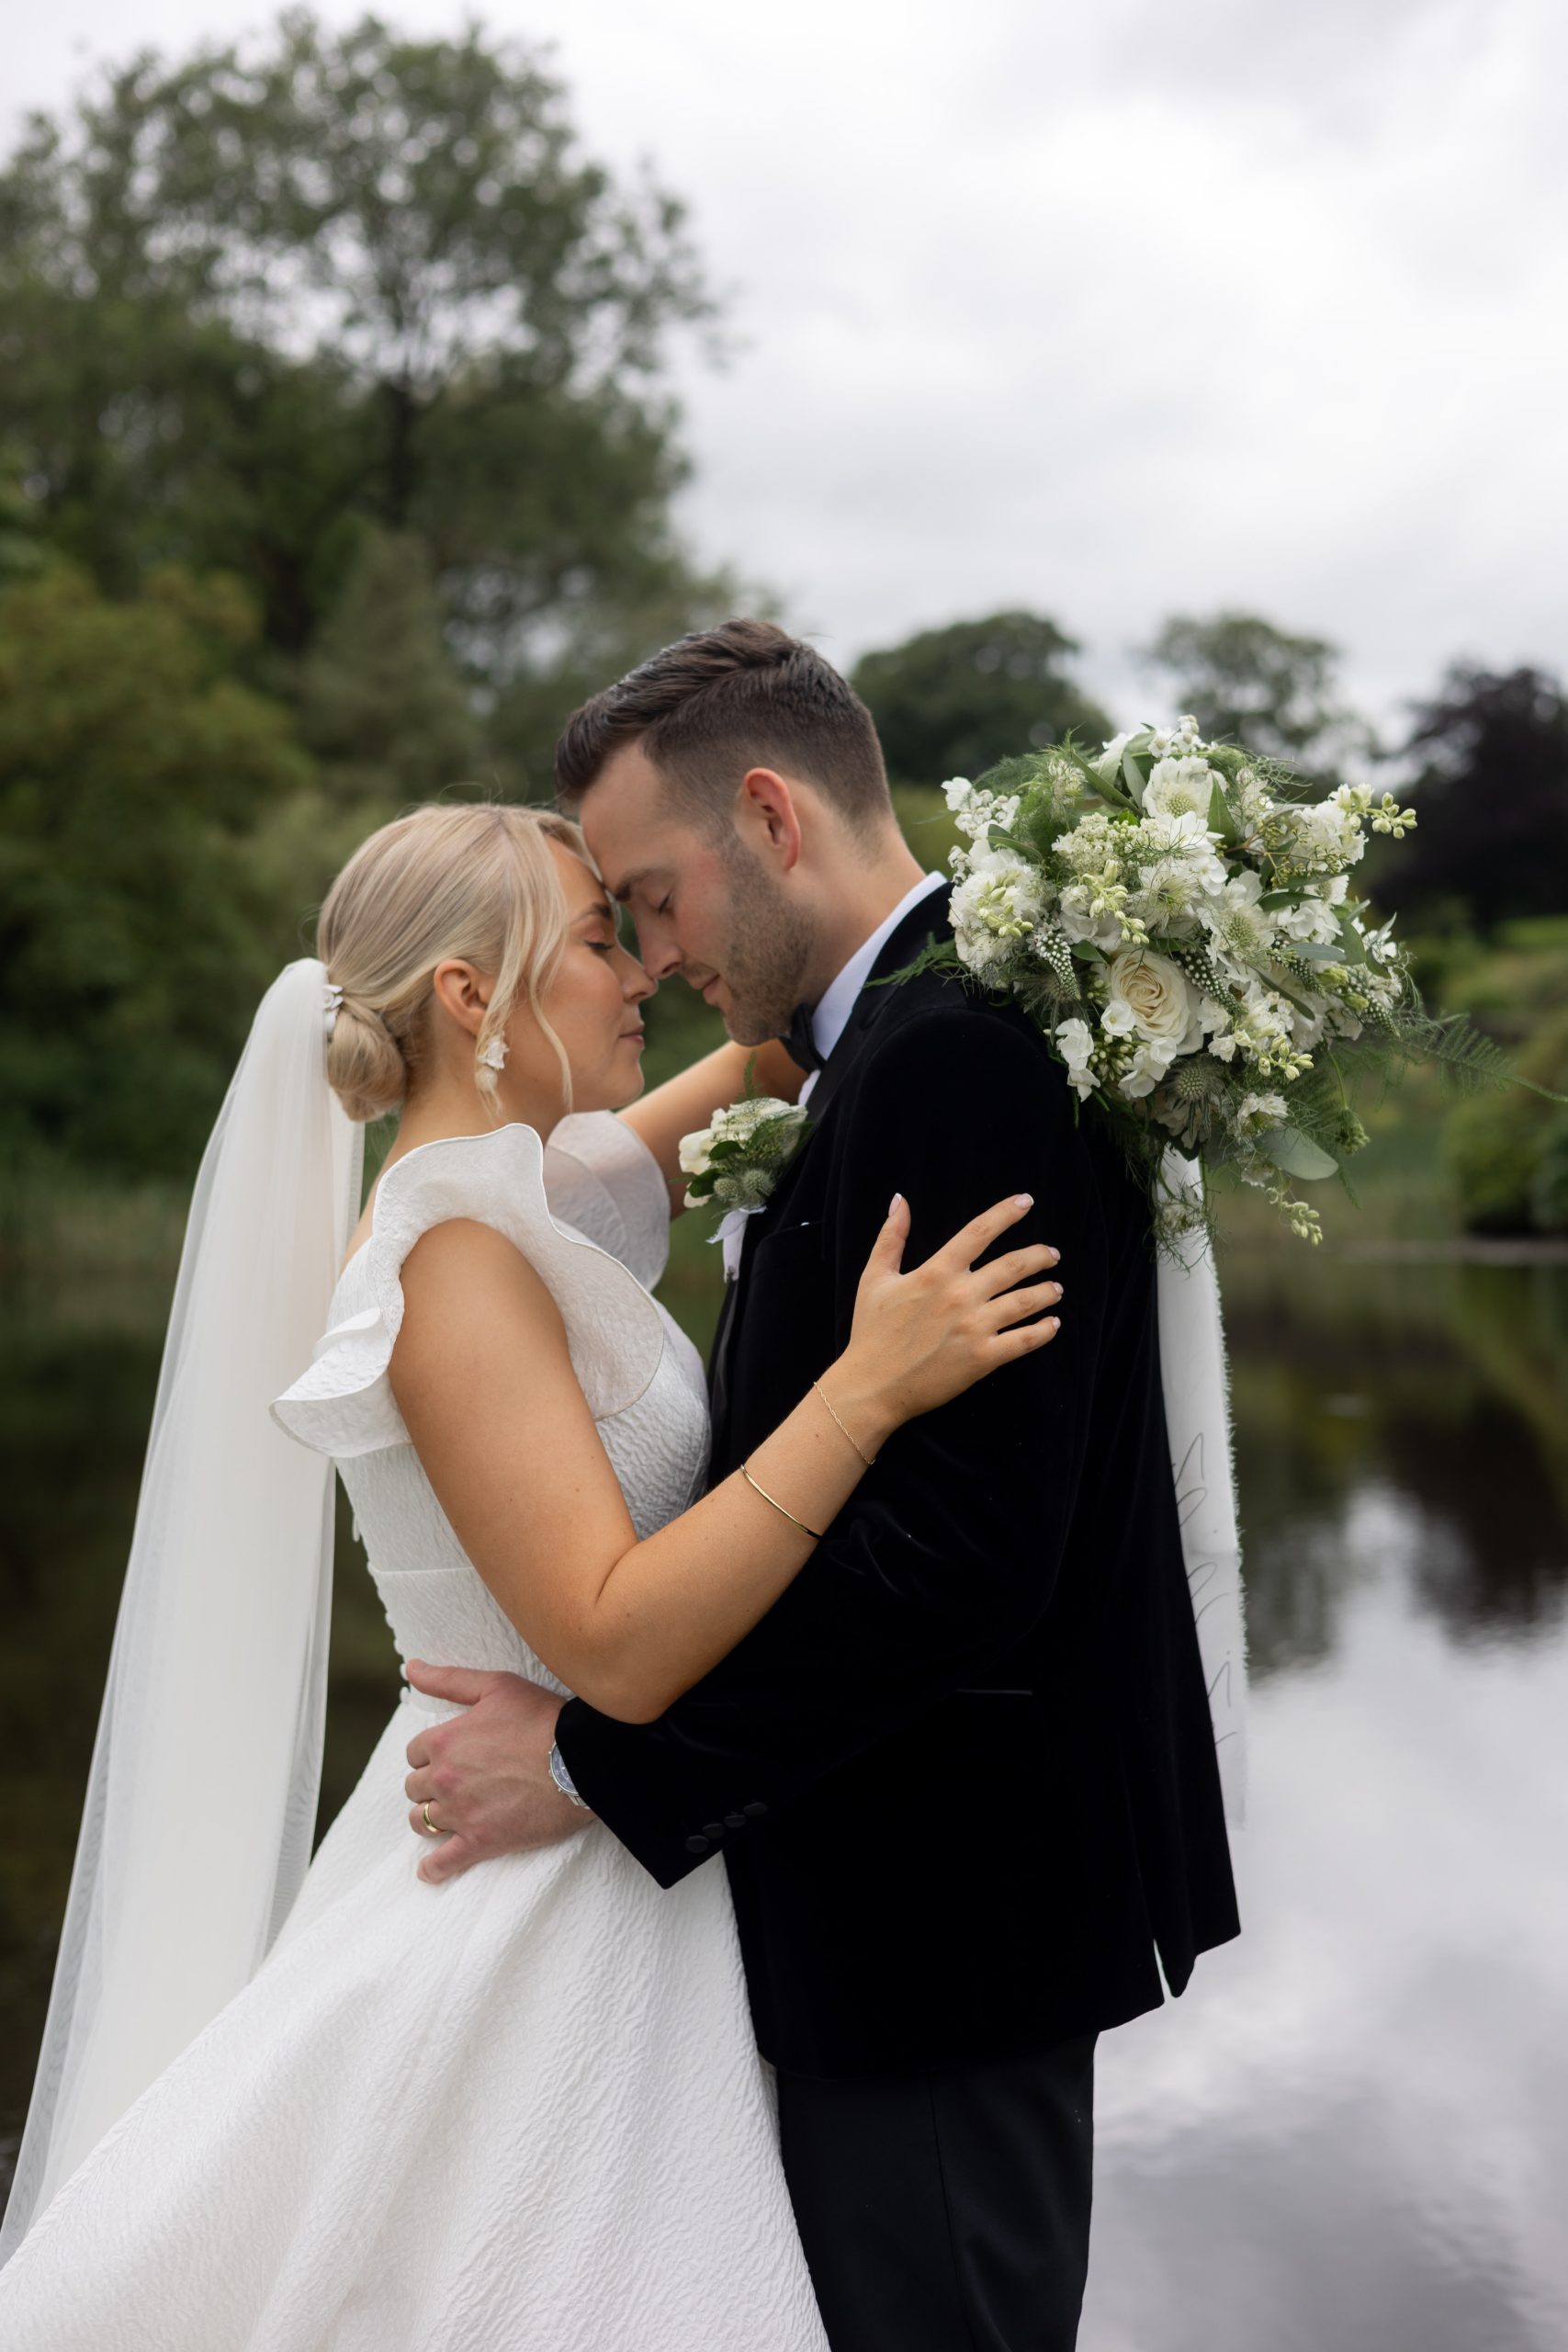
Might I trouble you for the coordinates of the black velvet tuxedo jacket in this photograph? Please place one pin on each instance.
(962, 1773)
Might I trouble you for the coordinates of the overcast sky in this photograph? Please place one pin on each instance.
(1159, 306)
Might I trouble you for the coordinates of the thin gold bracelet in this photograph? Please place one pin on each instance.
(746, 1474)
(867, 1458)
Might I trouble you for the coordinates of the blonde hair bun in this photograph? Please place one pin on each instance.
(477, 882)
(365, 1068)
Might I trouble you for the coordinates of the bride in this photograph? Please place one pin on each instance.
(337, 2106)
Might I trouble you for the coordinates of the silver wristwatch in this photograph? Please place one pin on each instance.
(562, 1778)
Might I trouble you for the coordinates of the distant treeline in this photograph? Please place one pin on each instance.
(336, 464)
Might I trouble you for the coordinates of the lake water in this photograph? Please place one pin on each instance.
(1351, 2135)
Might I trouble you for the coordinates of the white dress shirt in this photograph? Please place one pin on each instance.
(832, 1016)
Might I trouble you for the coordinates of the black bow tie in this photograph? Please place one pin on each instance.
(799, 1040)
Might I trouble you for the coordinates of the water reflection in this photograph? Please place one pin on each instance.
(1353, 2132)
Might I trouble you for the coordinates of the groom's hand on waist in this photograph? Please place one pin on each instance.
(485, 1775)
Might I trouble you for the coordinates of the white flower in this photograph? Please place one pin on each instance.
(1255, 1114)
(1079, 920)
(1180, 788)
(1239, 924)
(693, 1151)
(1161, 1003)
(1143, 1073)
(1179, 840)
(1076, 1039)
(1314, 921)
(956, 791)
(996, 905)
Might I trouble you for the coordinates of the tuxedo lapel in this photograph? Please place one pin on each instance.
(924, 922)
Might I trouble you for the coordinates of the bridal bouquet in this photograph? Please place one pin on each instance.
(1177, 917)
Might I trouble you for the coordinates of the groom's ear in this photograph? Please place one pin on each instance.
(768, 817)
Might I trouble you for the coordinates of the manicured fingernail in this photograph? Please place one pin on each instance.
(1057, 1288)
(1054, 1257)
(893, 1204)
(1052, 1322)
(1024, 1200)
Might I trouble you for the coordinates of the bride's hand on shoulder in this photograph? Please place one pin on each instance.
(920, 1339)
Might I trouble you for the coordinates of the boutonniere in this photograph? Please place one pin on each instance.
(735, 1164)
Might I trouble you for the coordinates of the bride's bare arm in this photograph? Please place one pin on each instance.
(688, 1101)
(484, 1381)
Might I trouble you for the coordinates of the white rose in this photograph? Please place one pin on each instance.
(1160, 1000)
(693, 1151)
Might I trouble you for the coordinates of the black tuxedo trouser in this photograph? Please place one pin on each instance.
(946, 2211)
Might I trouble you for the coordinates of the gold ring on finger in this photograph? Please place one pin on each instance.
(430, 1828)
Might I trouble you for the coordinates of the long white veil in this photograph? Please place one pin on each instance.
(1197, 1413)
(202, 1797)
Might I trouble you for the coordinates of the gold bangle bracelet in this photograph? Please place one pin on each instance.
(746, 1474)
(867, 1458)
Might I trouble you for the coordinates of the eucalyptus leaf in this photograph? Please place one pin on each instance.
(1318, 951)
(1221, 820)
(1137, 779)
(1298, 1155)
(1087, 953)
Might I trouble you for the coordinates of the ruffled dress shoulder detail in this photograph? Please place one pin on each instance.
(601, 1180)
(344, 1404)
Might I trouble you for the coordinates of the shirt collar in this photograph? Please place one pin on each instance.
(838, 1000)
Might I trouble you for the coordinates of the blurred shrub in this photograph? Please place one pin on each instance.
(1508, 1151)
(135, 775)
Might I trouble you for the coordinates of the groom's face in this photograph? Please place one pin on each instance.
(705, 903)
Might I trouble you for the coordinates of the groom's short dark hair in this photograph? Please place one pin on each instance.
(724, 700)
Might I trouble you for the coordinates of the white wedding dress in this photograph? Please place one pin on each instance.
(522, 2112)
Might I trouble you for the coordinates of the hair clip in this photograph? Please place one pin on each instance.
(332, 998)
(493, 1055)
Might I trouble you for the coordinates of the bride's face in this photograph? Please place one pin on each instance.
(593, 1004)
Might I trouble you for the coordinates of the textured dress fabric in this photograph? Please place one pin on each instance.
(523, 2109)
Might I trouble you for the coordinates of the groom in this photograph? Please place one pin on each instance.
(962, 1775)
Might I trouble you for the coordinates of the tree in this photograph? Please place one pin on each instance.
(1246, 682)
(134, 776)
(953, 701)
(251, 301)
(1489, 755)
(382, 704)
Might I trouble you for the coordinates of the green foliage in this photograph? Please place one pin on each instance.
(953, 701)
(347, 318)
(1508, 1152)
(1246, 682)
(254, 299)
(381, 705)
(135, 774)
(1490, 753)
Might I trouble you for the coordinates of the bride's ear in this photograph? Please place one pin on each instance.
(462, 992)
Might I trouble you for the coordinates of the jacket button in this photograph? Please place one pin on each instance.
(735, 1821)
(754, 1812)
(696, 1844)
(713, 1829)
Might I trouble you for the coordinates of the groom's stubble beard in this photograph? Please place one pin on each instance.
(768, 947)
